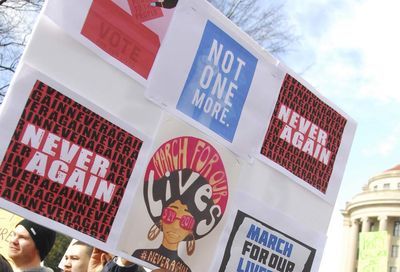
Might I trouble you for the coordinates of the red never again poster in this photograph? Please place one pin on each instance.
(68, 163)
(304, 134)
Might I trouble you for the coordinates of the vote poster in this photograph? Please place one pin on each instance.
(226, 84)
(184, 198)
(126, 33)
(255, 246)
(62, 159)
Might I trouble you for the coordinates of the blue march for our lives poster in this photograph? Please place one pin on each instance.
(218, 82)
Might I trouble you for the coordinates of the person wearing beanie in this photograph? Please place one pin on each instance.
(30, 245)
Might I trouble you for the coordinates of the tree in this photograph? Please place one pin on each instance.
(57, 252)
(266, 24)
(16, 22)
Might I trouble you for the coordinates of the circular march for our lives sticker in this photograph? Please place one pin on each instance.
(189, 170)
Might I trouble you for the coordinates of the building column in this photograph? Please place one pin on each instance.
(366, 224)
(383, 222)
(353, 246)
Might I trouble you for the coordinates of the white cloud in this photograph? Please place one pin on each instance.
(384, 147)
(352, 48)
(370, 31)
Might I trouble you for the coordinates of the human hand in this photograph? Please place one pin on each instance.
(98, 260)
(169, 4)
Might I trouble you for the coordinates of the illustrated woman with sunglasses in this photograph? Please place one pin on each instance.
(182, 203)
(177, 224)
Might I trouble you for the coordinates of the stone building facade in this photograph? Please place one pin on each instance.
(372, 225)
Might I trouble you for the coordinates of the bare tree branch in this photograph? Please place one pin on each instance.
(2, 68)
(16, 21)
(266, 24)
(2, 88)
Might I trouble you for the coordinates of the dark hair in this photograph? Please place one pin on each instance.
(170, 186)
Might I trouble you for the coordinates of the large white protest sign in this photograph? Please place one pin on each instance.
(77, 134)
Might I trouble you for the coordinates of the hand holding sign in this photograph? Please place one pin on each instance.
(144, 10)
(169, 4)
(98, 259)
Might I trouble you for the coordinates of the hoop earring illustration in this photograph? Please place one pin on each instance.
(154, 231)
(190, 245)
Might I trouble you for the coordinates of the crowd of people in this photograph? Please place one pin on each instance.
(31, 243)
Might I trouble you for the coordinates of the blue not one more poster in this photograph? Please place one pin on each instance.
(218, 82)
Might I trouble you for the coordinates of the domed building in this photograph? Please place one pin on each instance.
(372, 225)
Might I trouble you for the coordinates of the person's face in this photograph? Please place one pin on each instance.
(76, 259)
(21, 248)
(173, 232)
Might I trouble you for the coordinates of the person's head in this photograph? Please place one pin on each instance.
(77, 257)
(30, 244)
(177, 222)
(180, 214)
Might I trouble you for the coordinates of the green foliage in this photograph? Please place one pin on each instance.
(57, 252)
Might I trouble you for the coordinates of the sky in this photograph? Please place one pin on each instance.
(349, 50)
(21, 23)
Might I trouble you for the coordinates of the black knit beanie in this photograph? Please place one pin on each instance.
(43, 237)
